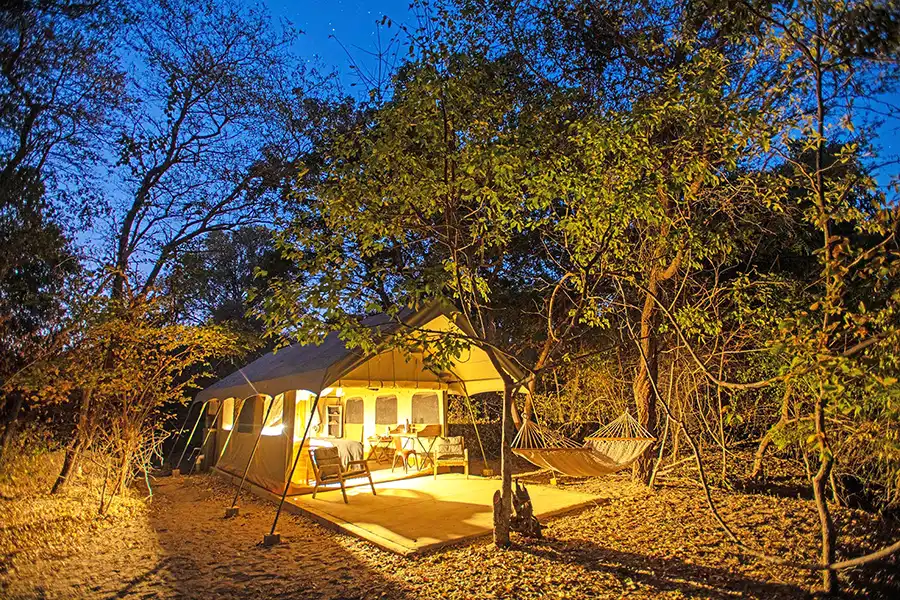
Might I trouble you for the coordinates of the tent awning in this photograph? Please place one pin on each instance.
(331, 364)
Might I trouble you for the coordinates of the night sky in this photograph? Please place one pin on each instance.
(353, 22)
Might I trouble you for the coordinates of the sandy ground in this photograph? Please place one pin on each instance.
(641, 545)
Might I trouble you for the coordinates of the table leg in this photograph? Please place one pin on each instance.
(427, 452)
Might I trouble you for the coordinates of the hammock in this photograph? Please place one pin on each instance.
(609, 449)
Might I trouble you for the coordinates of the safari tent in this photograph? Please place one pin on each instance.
(270, 401)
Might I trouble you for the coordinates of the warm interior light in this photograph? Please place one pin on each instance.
(273, 430)
(228, 414)
(325, 392)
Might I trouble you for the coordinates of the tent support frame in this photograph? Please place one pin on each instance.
(273, 538)
(486, 471)
(232, 511)
(193, 431)
(209, 431)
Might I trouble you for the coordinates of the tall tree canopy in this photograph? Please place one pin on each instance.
(693, 179)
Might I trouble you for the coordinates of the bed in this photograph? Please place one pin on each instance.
(348, 449)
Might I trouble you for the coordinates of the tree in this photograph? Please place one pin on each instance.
(214, 131)
(36, 263)
(59, 83)
(842, 346)
(149, 365)
(212, 279)
(216, 117)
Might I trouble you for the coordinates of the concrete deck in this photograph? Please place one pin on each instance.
(422, 514)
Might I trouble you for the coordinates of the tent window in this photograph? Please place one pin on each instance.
(386, 410)
(247, 415)
(228, 414)
(425, 408)
(275, 424)
(353, 413)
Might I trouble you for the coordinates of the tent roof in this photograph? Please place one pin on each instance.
(315, 367)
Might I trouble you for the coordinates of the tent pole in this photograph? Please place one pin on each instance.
(474, 424)
(193, 431)
(208, 431)
(287, 484)
(177, 435)
(252, 452)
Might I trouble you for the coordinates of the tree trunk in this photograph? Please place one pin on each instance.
(832, 297)
(504, 510)
(820, 482)
(78, 443)
(757, 471)
(122, 476)
(73, 454)
(12, 420)
(645, 377)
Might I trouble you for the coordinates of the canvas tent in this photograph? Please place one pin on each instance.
(270, 399)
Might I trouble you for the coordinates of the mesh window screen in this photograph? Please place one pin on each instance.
(275, 409)
(247, 415)
(353, 413)
(386, 410)
(425, 408)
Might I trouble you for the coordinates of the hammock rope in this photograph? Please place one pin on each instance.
(611, 448)
(624, 440)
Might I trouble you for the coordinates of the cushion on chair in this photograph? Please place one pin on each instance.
(326, 457)
(449, 448)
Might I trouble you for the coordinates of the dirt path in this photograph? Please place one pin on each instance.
(182, 548)
(641, 545)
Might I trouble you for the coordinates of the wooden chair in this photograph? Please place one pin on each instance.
(450, 452)
(326, 462)
(404, 454)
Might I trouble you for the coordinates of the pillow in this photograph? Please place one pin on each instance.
(449, 446)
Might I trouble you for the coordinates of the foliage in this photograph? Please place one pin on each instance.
(447, 163)
(35, 264)
(212, 278)
(126, 368)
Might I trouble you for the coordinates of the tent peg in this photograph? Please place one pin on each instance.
(232, 511)
(271, 539)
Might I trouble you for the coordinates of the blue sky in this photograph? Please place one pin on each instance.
(352, 22)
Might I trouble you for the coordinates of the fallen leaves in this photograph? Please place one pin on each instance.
(637, 544)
